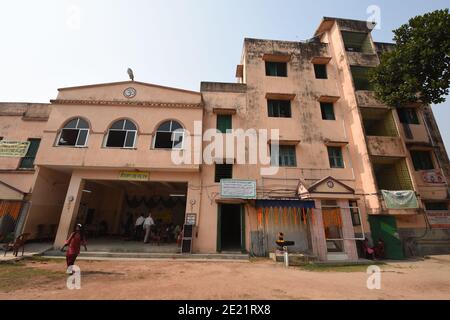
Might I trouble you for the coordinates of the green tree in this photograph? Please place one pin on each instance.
(418, 68)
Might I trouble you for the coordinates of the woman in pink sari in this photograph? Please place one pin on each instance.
(76, 239)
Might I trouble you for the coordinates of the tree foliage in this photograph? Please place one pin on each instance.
(418, 68)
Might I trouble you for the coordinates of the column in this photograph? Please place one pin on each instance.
(348, 231)
(318, 240)
(70, 210)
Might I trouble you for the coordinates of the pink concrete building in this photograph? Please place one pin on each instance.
(349, 167)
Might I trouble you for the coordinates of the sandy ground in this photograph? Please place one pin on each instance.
(262, 279)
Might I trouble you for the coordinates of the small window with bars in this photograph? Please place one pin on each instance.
(224, 123)
(276, 69)
(223, 171)
(436, 206)
(422, 160)
(279, 108)
(327, 110)
(408, 115)
(320, 70)
(286, 156)
(335, 157)
(354, 213)
(27, 162)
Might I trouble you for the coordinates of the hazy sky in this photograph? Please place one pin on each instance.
(46, 45)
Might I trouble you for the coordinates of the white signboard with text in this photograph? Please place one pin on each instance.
(238, 189)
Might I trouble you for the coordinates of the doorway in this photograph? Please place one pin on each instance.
(230, 231)
(385, 228)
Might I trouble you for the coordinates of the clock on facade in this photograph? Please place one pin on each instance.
(129, 93)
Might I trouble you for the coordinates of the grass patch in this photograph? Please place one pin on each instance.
(338, 268)
(17, 275)
(44, 260)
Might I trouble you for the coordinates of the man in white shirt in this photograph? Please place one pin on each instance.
(138, 227)
(148, 223)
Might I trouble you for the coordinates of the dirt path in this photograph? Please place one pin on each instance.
(429, 279)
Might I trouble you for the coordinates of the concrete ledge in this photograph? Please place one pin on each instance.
(223, 87)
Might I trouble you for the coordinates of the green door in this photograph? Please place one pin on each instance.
(385, 227)
(230, 227)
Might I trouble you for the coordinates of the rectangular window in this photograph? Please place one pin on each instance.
(335, 157)
(116, 139)
(276, 69)
(320, 71)
(286, 156)
(73, 137)
(354, 212)
(436, 206)
(408, 115)
(224, 123)
(279, 108)
(27, 162)
(327, 110)
(223, 171)
(422, 160)
(361, 78)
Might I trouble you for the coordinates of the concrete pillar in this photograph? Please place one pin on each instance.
(348, 231)
(70, 210)
(119, 214)
(318, 241)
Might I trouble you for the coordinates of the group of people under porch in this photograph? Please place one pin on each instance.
(147, 229)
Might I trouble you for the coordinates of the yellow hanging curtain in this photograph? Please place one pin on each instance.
(267, 217)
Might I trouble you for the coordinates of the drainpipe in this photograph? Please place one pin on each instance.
(199, 207)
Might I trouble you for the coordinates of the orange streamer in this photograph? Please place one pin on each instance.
(260, 218)
(304, 216)
(295, 215)
(275, 215)
(286, 222)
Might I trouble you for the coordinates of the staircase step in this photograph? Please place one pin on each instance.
(143, 255)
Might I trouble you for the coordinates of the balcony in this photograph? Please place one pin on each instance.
(362, 59)
(385, 146)
(366, 99)
(385, 210)
(382, 137)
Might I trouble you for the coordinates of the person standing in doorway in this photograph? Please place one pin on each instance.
(138, 227)
(148, 223)
(74, 243)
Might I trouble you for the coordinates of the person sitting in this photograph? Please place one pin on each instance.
(379, 249)
(368, 251)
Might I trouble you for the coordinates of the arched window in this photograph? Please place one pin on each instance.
(122, 134)
(75, 133)
(169, 135)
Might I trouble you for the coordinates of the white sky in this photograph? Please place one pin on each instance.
(48, 44)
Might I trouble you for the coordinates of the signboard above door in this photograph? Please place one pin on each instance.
(134, 176)
(237, 189)
(16, 149)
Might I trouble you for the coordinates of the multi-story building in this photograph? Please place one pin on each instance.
(112, 149)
